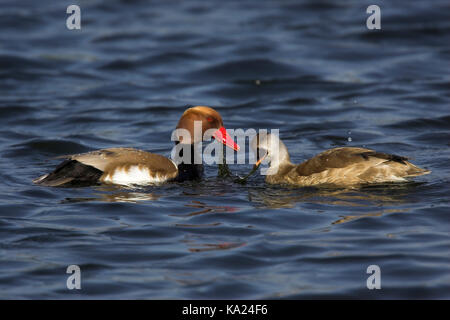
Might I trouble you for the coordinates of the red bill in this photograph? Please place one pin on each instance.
(222, 136)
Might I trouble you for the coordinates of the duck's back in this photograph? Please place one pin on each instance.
(348, 165)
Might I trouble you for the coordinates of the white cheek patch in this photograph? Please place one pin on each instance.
(134, 175)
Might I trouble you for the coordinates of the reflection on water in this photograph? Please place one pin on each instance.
(132, 197)
(269, 196)
(362, 196)
(349, 218)
(274, 197)
(209, 242)
(115, 194)
(205, 208)
(215, 246)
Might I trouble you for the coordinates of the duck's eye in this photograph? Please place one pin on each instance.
(209, 119)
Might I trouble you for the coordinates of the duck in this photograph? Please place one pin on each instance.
(343, 166)
(129, 166)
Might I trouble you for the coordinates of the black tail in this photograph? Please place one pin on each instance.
(70, 173)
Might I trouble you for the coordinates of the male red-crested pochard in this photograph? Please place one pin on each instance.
(128, 166)
(343, 166)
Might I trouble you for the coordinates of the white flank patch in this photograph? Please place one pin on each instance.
(134, 175)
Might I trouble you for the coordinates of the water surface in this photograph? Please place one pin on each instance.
(308, 68)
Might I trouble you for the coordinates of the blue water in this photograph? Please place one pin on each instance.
(309, 68)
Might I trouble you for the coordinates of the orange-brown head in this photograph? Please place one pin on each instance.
(203, 118)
